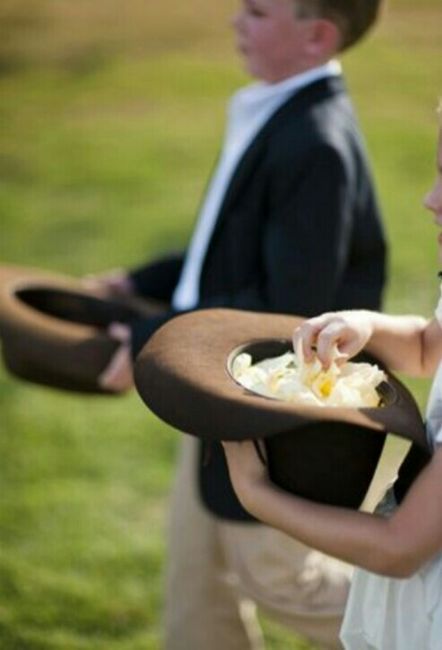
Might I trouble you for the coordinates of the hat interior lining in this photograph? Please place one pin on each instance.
(259, 350)
(67, 305)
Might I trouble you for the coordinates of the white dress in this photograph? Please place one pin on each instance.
(399, 614)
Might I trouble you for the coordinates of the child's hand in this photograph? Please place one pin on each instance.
(118, 375)
(346, 331)
(247, 472)
(110, 283)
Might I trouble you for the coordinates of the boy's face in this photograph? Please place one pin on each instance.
(272, 39)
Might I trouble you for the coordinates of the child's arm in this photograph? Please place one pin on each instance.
(408, 344)
(397, 546)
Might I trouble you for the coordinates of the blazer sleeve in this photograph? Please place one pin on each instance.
(159, 278)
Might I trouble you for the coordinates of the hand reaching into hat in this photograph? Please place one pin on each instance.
(118, 374)
(334, 336)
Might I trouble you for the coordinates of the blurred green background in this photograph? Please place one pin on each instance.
(110, 119)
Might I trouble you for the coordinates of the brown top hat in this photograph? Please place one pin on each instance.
(53, 329)
(328, 454)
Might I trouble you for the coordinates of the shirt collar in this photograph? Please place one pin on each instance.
(260, 91)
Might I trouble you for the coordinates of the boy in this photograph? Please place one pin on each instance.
(289, 224)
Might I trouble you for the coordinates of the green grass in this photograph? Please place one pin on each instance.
(109, 130)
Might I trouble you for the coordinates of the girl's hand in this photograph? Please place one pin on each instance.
(348, 331)
(247, 472)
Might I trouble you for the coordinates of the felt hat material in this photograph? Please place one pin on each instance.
(53, 329)
(328, 454)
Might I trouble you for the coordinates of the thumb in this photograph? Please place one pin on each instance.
(119, 332)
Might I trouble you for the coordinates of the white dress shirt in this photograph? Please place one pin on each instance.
(248, 111)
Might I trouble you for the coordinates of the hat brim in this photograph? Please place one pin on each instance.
(325, 454)
(183, 375)
(54, 330)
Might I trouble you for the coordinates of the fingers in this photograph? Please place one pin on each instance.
(120, 283)
(330, 344)
(332, 337)
(119, 332)
(307, 335)
(117, 376)
(111, 283)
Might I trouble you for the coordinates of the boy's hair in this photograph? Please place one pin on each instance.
(353, 17)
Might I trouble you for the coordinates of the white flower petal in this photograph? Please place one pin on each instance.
(289, 377)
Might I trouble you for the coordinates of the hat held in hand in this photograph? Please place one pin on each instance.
(327, 453)
(53, 330)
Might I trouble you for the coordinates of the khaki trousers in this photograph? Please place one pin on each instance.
(218, 572)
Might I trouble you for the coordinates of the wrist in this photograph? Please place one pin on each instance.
(257, 498)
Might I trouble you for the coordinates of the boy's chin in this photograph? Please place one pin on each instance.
(256, 71)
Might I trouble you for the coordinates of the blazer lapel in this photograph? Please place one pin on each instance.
(296, 104)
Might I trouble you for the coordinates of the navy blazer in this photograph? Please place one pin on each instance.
(298, 231)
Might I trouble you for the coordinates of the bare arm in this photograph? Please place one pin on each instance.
(408, 344)
(397, 546)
